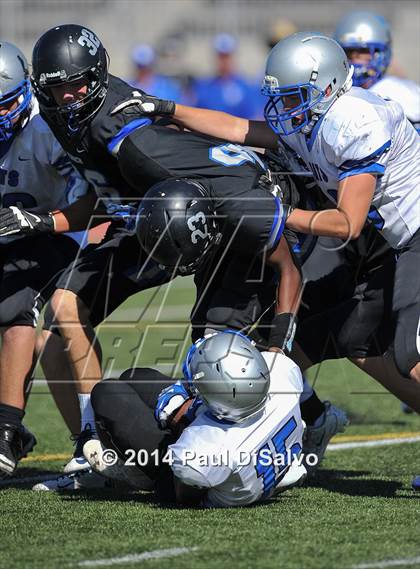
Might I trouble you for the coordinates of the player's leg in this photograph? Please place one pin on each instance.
(385, 372)
(125, 422)
(57, 371)
(80, 290)
(406, 305)
(124, 412)
(14, 371)
(317, 339)
(30, 268)
(97, 284)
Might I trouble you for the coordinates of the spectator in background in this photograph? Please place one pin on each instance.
(279, 30)
(227, 90)
(144, 59)
(171, 63)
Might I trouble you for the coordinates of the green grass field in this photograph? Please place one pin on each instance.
(359, 509)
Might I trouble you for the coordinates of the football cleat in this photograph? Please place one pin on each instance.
(11, 448)
(95, 452)
(78, 462)
(28, 442)
(316, 439)
(81, 480)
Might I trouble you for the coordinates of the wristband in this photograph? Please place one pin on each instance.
(283, 331)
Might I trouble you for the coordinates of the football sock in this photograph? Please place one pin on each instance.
(11, 415)
(86, 411)
(312, 410)
(307, 390)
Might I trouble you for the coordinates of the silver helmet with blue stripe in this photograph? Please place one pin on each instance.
(305, 73)
(15, 90)
(229, 373)
(361, 33)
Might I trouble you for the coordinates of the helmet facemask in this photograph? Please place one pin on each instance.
(74, 115)
(284, 120)
(13, 121)
(311, 103)
(368, 73)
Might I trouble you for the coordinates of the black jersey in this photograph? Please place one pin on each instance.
(253, 218)
(124, 153)
(153, 152)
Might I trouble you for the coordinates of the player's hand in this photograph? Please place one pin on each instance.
(147, 105)
(171, 399)
(282, 332)
(14, 220)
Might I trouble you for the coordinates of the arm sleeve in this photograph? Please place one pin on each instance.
(360, 143)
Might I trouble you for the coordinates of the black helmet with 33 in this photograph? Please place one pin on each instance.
(176, 224)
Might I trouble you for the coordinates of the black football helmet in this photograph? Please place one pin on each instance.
(66, 54)
(176, 224)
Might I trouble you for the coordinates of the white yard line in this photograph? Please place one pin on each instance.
(389, 563)
(137, 557)
(378, 443)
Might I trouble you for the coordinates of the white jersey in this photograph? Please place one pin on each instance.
(406, 92)
(363, 133)
(242, 463)
(35, 172)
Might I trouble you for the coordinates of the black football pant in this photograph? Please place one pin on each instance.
(124, 417)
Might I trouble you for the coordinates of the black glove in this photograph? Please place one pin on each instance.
(14, 220)
(283, 331)
(146, 105)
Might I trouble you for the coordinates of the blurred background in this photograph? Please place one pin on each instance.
(209, 53)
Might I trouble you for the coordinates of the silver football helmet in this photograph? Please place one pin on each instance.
(363, 30)
(229, 373)
(305, 74)
(14, 86)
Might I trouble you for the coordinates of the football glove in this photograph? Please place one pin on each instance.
(15, 220)
(171, 399)
(146, 105)
(283, 331)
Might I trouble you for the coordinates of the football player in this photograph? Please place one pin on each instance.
(364, 153)
(97, 119)
(238, 436)
(366, 39)
(36, 178)
(256, 133)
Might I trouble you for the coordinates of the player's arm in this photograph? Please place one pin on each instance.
(213, 123)
(226, 126)
(288, 297)
(81, 214)
(355, 195)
